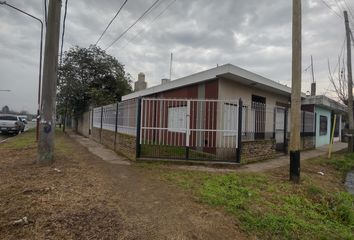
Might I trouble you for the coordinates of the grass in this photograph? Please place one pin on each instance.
(21, 141)
(269, 206)
(342, 163)
(28, 140)
(163, 151)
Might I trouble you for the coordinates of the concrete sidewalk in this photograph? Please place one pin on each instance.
(99, 150)
(112, 157)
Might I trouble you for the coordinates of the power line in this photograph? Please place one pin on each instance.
(138, 20)
(339, 6)
(159, 15)
(45, 12)
(330, 8)
(109, 24)
(63, 32)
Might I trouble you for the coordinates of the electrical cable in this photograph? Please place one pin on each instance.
(131, 26)
(109, 24)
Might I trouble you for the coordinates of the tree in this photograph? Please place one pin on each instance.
(89, 76)
(339, 80)
(5, 109)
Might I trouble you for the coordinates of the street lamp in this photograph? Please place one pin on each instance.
(40, 58)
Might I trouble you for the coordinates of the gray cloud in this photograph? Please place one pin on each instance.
(252, 34)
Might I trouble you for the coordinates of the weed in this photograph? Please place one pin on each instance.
(274, 209)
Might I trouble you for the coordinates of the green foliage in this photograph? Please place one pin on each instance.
(343, 163)
(231, 191)
(24, 140)
(90, 76)
(274, 209)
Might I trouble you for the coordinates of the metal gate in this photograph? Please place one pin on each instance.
(189, 129)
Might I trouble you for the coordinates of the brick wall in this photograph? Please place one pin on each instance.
(253, 151)
(307, 143)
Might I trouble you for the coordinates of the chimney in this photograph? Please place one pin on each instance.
(313, 89)
(140, 84)
(165, 80)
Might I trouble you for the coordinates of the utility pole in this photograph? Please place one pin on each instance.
(50, 68)
(313, 84)
(350, 85)
(171, 66)
(295, 94)
(40, 61)
(313, 75)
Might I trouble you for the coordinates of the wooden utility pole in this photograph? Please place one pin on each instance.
(50, 68)
(313, 84)
(295, 94)
(350, 85)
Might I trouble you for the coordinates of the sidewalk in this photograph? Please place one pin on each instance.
(112, 157)
(99, 150)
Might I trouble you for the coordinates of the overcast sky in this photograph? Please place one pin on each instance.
(253, 34)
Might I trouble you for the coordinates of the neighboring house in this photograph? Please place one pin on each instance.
(325, 109)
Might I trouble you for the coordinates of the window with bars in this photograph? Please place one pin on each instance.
(323, 125)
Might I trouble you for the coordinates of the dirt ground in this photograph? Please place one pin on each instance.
(82, 197)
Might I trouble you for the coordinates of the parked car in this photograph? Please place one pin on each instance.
(11, 124)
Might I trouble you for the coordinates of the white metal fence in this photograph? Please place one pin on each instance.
(198, 129)
(189, 122)
(124, 121)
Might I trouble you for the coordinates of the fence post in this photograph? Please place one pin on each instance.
(101, 124)
(285, 147)
(138, 127)
(92, 119)
(187, 128)
(303, 129)
(116, 127)
(239, 132)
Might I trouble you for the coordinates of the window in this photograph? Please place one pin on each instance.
(8, 118)
(177, 119)
(259, 108)
(230, 119)
(323, 125)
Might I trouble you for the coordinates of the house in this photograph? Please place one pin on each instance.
(201, 113)
(222, 114)
(325, 109)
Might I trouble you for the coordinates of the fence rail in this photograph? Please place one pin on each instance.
(120, 117)
(201, 129)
